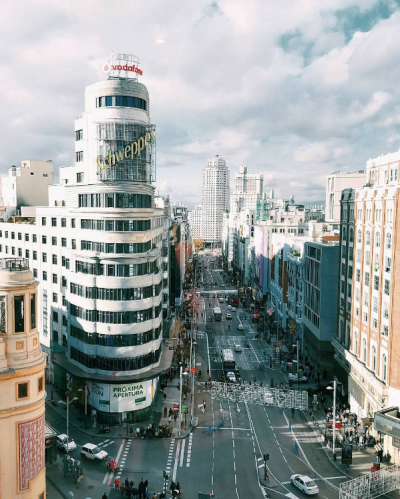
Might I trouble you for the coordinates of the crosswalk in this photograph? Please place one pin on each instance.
(176, 455)
(106, 443)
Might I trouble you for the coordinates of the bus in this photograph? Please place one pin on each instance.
(217, 314)
(228, 360)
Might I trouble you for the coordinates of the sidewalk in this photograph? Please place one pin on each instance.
(77, 418)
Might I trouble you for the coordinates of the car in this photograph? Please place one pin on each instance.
(238, 348)
(61, 441)
(228, 316)
(305, 484)
(293, 377)
(233, 309)
(221, 300)
(229, 308)
(240, 327)
(91, 451)
(231, 377)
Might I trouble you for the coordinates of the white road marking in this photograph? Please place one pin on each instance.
(182, 453)
(178, 448)
(110, 475)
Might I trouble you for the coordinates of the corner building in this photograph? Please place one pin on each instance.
(96, 250)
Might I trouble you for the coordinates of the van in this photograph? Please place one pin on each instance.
(91, 451)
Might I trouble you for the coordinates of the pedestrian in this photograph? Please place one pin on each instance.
(104, 496)
(175, 416)
(154, 495)
(116, 483)
(126, 482)
(134, 493)
(171, 487)
(122, 489)
(131, 484)
(146, 484)
(165, 411)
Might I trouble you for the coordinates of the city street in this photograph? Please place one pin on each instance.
(226, 461)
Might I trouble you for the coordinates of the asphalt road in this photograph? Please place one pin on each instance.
(227, 462)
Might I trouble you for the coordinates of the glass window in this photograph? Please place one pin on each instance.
(44, 239)
(34, 238)
(22, 391)
(54, 259)
(44, 257)
(55, 298)
(64, 242)
(40, 384)
(108, 101)
(63, 222)
(43, 220)
(33, 311)
(34, 255)
(44, 275)
(3, 314)
(73, 223)
(26, 237)
(19, 313)
(54, 222)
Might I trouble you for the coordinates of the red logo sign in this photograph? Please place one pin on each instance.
(119, 67)
(193, 370)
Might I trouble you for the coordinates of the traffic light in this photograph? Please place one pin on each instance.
(266, 457)
(165, 476)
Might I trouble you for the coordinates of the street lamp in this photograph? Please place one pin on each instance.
(334, 416)
(67, 404)
(180, 398)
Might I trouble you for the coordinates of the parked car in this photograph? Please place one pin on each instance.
(305, 484)
(91, 451)
(62, 443)
(293, 377)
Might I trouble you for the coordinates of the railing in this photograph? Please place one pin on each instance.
(14, 264)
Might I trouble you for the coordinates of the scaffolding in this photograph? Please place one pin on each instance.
(372, 485)
(112, 138)
(254, 394)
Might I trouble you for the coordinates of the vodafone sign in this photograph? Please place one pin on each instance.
(122, 66)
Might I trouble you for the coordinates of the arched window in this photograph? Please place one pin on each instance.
(359, 236)
(364, 350)
(388, 241)
(356, 343)
(378, 239)
(368, 238)
(351, 235)
(373, 358)
(384, 368)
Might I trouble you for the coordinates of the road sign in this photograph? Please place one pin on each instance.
(175, 407)
(193, 370)
(184, 409)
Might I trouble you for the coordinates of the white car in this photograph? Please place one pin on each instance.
(240, 327)
(305, 484)
(221, 300)
(231, 377)
(268, 398)
(62, 443)
(91, 451)
(293, 377)
(238, 348)
(229, 308)
(233, 309)
(228, 316)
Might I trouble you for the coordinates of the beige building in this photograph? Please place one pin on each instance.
(22, 378)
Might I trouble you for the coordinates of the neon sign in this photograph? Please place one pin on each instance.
(122, 66)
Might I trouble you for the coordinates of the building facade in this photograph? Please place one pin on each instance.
(248, 190)
(335, 184)
(22, 385)
(214, 199)
(97, 251)
(194, 218)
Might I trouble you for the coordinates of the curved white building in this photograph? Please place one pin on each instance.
(97, 250)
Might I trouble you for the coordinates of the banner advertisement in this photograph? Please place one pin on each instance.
(131, 396)
(99, 395)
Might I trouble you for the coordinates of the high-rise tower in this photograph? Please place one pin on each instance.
(215, 198)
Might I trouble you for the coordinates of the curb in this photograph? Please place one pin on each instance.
(83, 430)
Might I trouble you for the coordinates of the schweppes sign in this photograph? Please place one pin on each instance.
(129, 151)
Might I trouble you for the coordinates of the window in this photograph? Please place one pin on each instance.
(26, 237)
(44, 257)
(73, 243)
(367, 257)
(63, 222)
(12, 250)
(6, 233)
(368, 238)
(78, 159)
(366, 298)
(63, 281)
(19, 236)
(388, 241)
(350, 272)
(23, 390)
(373, 358)
(374, 304)
(365, 317)
(54, 222)
(40, 383)
(387, 287)
(358, 275)
(55, 279)
(19, 314)
(44, 275)
(55, 316)
(34, 253)
(43, 220)
(358, 256)
(19, 252)
(12, 235)
(374, 324)
(64, 301)
(35, 274)
(364, 350)
(55, 298)
(72, 223)
(384, 365)
(388, 264)
(64, 242)
(44, 239)
(366, 279)
(80, 178)
(376, 282)
(385, 331)
(54, 241)
(378, 239)
(356, 343)
(54, 258)
(351, 235)
(34, 238)
(78, 135)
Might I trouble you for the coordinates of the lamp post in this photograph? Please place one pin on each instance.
(334, 416)
(67, 404)
(180, 398)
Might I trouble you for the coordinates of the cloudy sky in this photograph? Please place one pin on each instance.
(296, 89)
